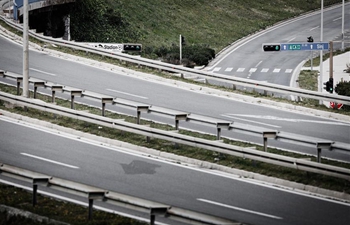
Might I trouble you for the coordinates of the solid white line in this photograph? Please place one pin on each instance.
(125, 93)
(251, 121)
(51, 74)
(239, 209)
(51, 161)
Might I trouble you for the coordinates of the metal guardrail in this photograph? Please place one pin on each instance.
(184, 116)
(216, 146)
(93, 193)
(183, 70)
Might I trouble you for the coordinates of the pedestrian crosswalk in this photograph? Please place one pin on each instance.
(251, 70)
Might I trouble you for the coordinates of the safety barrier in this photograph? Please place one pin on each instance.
(184, 116)
(175, 137)
(97, 194)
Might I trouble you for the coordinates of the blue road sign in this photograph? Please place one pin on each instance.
(307, 46)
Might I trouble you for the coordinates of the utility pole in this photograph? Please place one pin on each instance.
(321, 55)
(25, 50)
(342, 25)
(180, 49)
(331, 59)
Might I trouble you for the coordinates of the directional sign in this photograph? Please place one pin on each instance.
(307, 46)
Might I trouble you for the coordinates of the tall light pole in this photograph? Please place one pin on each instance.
(25, 50)
(342, 25)
(321, 54)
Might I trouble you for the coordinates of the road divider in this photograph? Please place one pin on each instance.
(215, 146)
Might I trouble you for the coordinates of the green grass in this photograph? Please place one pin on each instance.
(214, 23)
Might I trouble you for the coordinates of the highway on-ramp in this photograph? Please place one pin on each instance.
(247, 60)
(66, 156)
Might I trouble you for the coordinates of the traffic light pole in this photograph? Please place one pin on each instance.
(331, 59)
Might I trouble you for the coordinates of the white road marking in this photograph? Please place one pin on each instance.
(229, 69)
(240, 69)
(216, 69)
(291, 39)
(337, 19)
(276, 70)
(40, 71)
(286, 119)
(50, 161)
(240, 209)
(258, 63)
(125, 93)
(289, 70)
(251, 121)
(252, 70)
(265, 70)
(314, 28)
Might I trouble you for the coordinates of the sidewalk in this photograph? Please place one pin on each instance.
(339, 65)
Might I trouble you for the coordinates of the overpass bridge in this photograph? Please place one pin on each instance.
(49, 17)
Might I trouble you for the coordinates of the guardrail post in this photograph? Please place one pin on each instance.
(103, 108)
(72, 101)
(178, 118)
(35, 91)
(322, 145)
(53, 96)
(91, 204)
(157, 211)
(37, 181)
(18, 87)
(92, 196)
(218, 133)
(35, 189)
(266, 135)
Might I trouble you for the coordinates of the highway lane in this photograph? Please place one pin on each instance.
(278, 67)
(90, 78)
(114, 169)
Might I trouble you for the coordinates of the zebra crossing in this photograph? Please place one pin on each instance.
(252, 70)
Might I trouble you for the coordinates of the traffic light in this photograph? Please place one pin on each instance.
(271, 47)
(326, 87)
(330, 85)
(183, 41)
(132, 47)
(310, 39)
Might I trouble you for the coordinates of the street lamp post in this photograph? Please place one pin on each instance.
(25, 50)
(321, 54)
